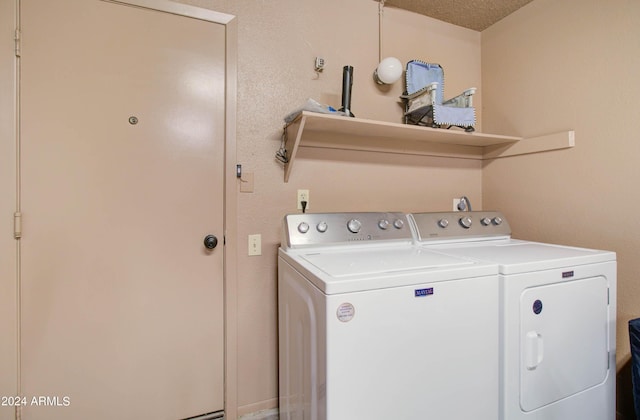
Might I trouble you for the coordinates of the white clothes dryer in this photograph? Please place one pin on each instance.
(557, 316)
(373, 327)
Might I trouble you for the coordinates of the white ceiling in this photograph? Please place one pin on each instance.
(473, 14)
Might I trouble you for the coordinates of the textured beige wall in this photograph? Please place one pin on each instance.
(277, 43)
(8, 347)
(573, 64)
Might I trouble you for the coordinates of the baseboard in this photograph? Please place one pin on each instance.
(269, 414)
(257, 409)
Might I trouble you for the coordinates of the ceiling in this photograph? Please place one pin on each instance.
(473, 14)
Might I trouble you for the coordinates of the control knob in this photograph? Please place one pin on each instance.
(443, 223)
(485, 221)
(383, 224)
(497, 220)
(322, 227)
(354, 225)
(466, 222)
(398, 224)
(303, 227)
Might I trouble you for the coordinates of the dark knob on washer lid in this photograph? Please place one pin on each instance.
(210, 241)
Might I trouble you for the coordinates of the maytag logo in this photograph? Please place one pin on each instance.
(567, 274)
(423, 292)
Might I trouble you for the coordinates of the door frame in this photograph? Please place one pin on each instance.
(10, 182)
(9, 246)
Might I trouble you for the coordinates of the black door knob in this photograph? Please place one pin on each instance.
(210, 241)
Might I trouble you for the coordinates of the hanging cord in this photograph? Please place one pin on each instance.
(380, 13)
(464, 204)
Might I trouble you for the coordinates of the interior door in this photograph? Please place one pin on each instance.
(122, 128)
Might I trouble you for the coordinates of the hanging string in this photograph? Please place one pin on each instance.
(380, 12)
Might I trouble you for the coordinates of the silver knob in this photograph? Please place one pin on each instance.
(466, 222)
(322, 227)
(398, 224)
(383, 224)
(485, 221)
(354, 225)
(303, 227)
(443, 223)
(497, 220)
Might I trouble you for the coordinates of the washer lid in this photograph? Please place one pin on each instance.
(349, 270)
(514, 256)
(364, 262)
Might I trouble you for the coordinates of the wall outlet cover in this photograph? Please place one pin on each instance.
(255, 244)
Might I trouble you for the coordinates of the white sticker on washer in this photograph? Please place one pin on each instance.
(345, 312)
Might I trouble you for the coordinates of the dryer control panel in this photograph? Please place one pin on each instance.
(309, 229)
(459, 224)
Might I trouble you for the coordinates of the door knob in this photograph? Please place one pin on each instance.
(210, 241)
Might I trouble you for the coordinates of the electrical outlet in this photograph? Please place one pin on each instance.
(456, 201)
(303, 195)
(255, 244)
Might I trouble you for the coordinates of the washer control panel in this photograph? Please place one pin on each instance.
(462, 224)
(310, 229)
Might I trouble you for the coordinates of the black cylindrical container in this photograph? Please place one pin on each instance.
(347, 83)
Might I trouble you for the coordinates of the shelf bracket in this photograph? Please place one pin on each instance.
(293, 134)
(556, 141)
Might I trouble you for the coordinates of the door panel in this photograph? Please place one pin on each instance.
(402, 357)
(122, 305)
(564, 335)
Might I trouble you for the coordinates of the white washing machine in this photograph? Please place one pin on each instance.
(558, 315)
(373, 327)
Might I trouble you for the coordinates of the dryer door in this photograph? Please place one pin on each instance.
(563, 340)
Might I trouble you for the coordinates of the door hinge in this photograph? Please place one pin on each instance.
(17, 225)
(17, 41)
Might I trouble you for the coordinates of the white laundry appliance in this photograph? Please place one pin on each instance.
(373, 327)
(558, 315)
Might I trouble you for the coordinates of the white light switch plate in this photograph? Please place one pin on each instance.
(255, 244)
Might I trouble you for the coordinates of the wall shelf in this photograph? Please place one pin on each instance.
(328, 131)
